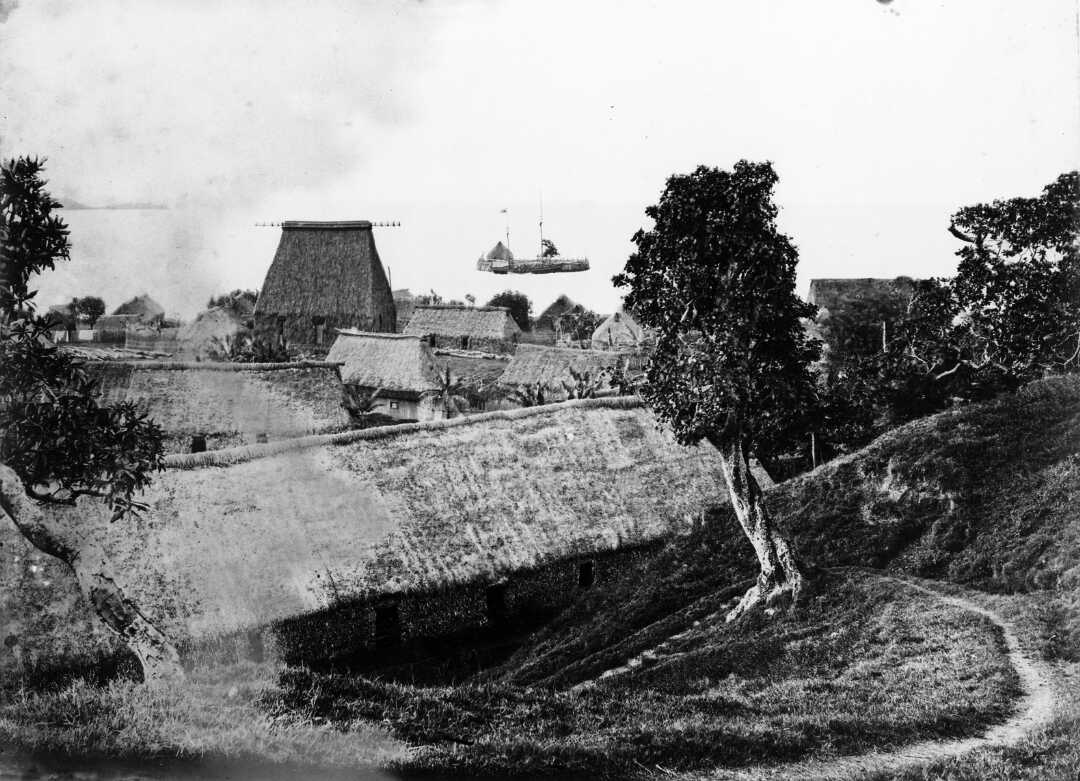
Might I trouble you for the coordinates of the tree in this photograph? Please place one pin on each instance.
(452, 394)
(240, 302)
(548, 249)
(57, 443)
(716, 280)
(90, 308)
(519, 305)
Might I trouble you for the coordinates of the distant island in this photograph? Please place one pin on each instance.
(71, 203)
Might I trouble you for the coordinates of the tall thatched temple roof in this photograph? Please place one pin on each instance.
(322, 268)
(396, 363)
(237, 538)
(478, 322)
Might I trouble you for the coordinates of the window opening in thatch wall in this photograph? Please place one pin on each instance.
(495, 595)
(387, 627)
(586, 574)
(262, 438)
(198, 443)
(320, 329)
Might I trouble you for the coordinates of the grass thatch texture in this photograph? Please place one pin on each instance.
(392, 362)
(475, 322)
(551, 367)
(228, 401)
(401, 508)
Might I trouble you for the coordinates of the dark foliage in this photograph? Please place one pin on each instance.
(53, 432)
(89, 309)
(519, 305)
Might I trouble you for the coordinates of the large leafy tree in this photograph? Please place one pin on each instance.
(58, 443)
(716, 280)
(519, 305)
(90, 308)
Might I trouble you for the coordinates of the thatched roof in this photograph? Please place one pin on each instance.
(840, 295)
(551, 366)
(561, 306)
(394, 362)
(619, 330)
(401, 508)
(321, 268)
(143, 306)
(116, 322)
(479, 322)
(231, 401)
(210, 331)
(499, 252)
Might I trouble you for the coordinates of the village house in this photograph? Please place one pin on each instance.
(140, 313)
(213, 405)
(618, 332)
(401, 369)
(325, 276)
(552, 370)
(211, 334)
(451, 326)
(405, 305)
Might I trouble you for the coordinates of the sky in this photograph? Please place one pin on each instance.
(881, 118)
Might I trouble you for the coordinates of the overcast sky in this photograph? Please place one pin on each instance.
(881, 119)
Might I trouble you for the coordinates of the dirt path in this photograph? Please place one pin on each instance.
(1034, 709)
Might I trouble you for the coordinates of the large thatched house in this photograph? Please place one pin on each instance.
(402, 369)
(618, 332)
(325, 276)
(485, 328)
(207, 406)
(553, 369)
(393, 534)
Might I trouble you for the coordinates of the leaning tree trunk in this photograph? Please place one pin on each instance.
(90, 563)
(781, 574)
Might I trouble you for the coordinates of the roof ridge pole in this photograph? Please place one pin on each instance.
(541, 253)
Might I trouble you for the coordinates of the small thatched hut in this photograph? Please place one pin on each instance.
(211, 334)
(147, 309)
(618, 332)
(401, 368)
(552, 369)
(325, 276)
(114, 328)
(485, 328)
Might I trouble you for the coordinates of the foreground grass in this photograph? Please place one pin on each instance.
(212, 715)
(860, 666)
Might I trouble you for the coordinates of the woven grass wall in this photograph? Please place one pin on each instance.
(407, 509)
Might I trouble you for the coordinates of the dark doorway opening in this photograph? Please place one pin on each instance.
(387, 627)
(198, 443)
(495, 596)
(464, 343)
(586, 575)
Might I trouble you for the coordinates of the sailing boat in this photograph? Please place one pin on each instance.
(500, 260)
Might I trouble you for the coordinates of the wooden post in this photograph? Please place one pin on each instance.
(884, 342)
(813, 450)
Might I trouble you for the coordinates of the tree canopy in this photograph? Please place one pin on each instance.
(89, 308)
(716, 280)
(519, 305)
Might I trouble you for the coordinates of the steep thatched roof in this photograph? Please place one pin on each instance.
(840, 295)
(233, 402)
(116, 323)
(394, 362)
(562, 305)
(414, 507)
(619, 330)
(551, 366)
(321, 268)
(479, 322)
(500, 252)
(210, 331)
(143, 306)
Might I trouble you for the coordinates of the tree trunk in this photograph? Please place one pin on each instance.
(90, 564)
(781, 574)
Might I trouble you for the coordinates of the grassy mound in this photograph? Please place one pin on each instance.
(862, 665)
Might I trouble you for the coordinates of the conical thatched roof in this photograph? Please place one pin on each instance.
(620, 331)
(322, 268)
(562, 305)
(210, 331)
(394, 362)
(477, 322)
(500, 252)
(143, 306)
